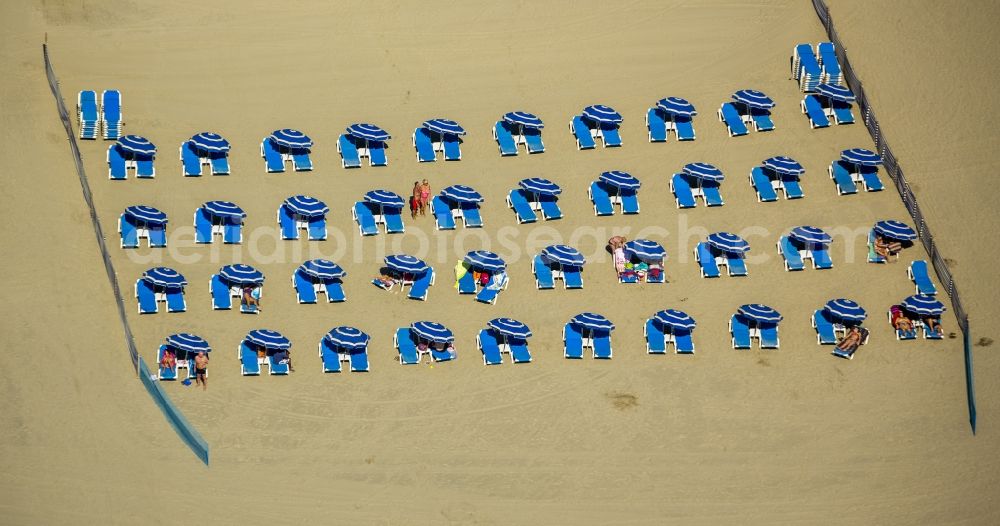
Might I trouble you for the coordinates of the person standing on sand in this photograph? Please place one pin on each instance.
(201, 370)
(425, 197)
(415, 200)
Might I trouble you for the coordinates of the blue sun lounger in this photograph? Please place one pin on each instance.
(202, 226)
(86, 104)
(349, 157)
(366, 221)
(656, 340)
(730, 116)
(317, 229)
(736, 265)
(572, 342)
(246, 308)
(813, 109)
(376, 154)
(901, 334)
(762, 185)
(305, 292)
(681, 188)
(656, 125)
(519, 350)
(710, 192)
(286, 220)
(684, 127)
(761, 120)
(519, 204)
(706, 260)
(789, 184)
(157, 236)
(842, 112)
(222, 298)
(111, 113)
(791, 255)
(442, 214)
(490, 348)
(842, 177)
(543, 274)
(190, 160)
(918, 273)
(821, 259)
(393, 220)
(129, 233)
(467, 284)
(630, 202)
(931, 334)
(870, 180)
(740, 331)
(220, 164)
(489, 294)
(602, 345)
(602, 202)
(275, 367)
(533, 140)
(441, 356)
(505, 141)
(144, 168)
(769, 336)
(610, 135)
(273, 161)
(408, 354)
(421, 286)
(249, 366)
(825, 333)
(423, 145)
(232, 232)
(116, 164)
(165, 373)
(683, 342)
(572, 277)
(584, 139)
(330, 356)
(470, 215)
(550, 207)
(452, 147)
(335, 291)
(146, 297)
(175, 301)
(359, 361)
(873, 257)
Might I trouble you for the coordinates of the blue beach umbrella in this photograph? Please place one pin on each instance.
(405, 263)
(845, 309)
(322, 269)
(349, 338)
(165, 277)
(621, 180)
(510, 327)
(307, 206)
(385, 198)
(444, 126)
(924, 305)
(645, 250)
(523, 118)
(272, 340)
(602, 113)
(291, 139)
(810, 235)
(676, 106)
(895, 230)
(728, 242)
(592, 321)
(368, 132)
(835, 92)
(704, 171)
(146, 214)
(784, 165)
(754, 99)
(462, 194)
(760, 313)
(538, 185)
(860, 157)
(241, 274)
(485, 260)
(674, 319)
(188, 342)
(137, 144)
(432, 331)
(226, 209)
(210, 142)
(564, 255)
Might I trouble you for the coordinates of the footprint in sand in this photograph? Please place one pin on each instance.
(623, 401)
(984, 342)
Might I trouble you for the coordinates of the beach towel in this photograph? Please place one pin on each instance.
(460, 271)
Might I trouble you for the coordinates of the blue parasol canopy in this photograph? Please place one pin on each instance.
(645, 250)
(462, 194)
(444, 126)
(510, 327)
(676, 106)
(146, 214)
(241, 274)
(432, 331)
(784, 165)
(137, 144)
(924, 305)
(291, 139)
(841, 93)
(538, 185)
(860, 157)
(528, 120)
(406, 264)
(385, 198)
(602, 113)
(564, 255)
(760, 313)
(754, 99)
(164, 277)
(322, 269)
(728, 242)
(674, 319)
(210, 142)
(305, 205)
(224, 209)
(188, 342)
(594, 322)
(704, 171)
(621, 180)
(349, 338)
(268, 339)
(845, 309)
(810, 235)
(368, 132)
(485, 260)
(895, 230)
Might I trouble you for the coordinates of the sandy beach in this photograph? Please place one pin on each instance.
(721, 437)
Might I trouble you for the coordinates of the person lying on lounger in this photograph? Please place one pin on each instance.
(851, 341)
(933, 324)
(899, 320)
(385, 281)
(169, 360)
(284, 356)
(886, 248)
(251, 297)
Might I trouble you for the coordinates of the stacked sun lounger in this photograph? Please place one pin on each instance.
(87, 114)
(111, 114)
(828, 61)
(805, 68)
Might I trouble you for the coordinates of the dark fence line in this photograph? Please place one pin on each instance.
(187, 433)
(909, 200)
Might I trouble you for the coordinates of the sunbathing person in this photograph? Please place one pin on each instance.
(169, 360)
(851, 341)
(899, 320)
(619, 260)
(385, 281)
(885, 248)
(251, 297)
(933, 325)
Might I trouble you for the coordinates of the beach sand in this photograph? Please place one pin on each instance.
(723, 436)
